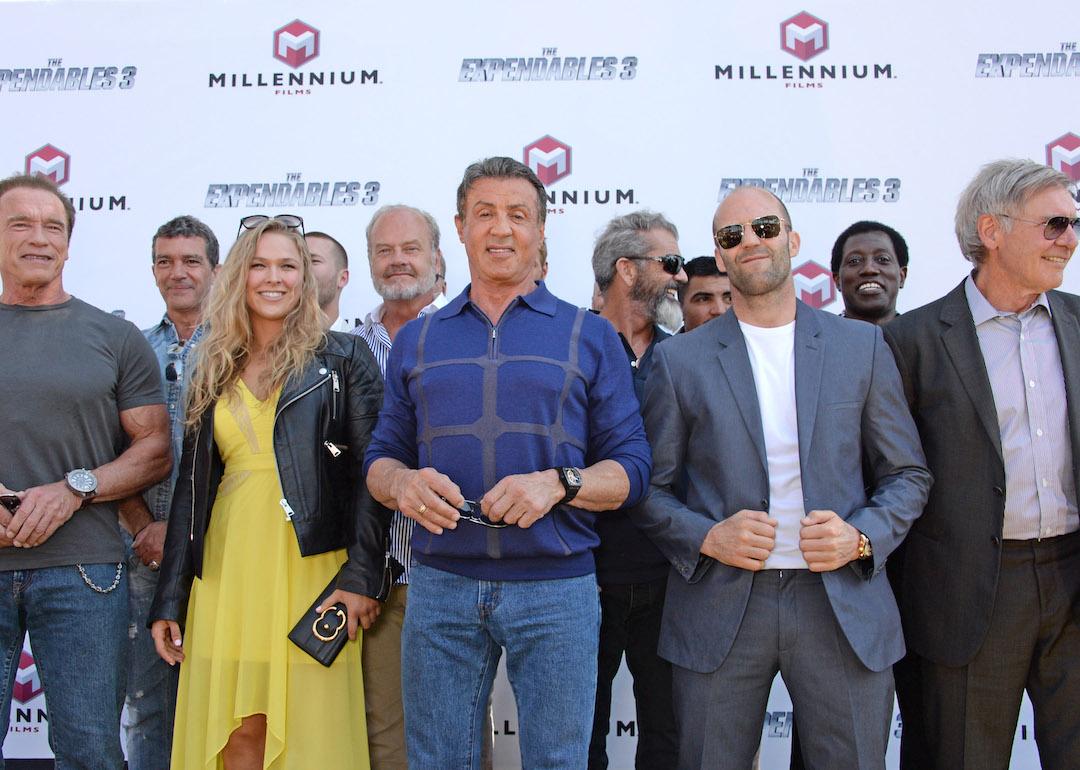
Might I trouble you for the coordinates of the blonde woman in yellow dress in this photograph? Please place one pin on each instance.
(269, 507)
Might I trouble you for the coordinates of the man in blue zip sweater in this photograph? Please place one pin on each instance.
(509, 421)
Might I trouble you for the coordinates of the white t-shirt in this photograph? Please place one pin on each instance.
(772, 358)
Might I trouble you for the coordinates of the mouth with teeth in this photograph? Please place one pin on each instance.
(870, 287)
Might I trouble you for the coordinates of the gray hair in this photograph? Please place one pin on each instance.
(625, 237)
(1001, 187)
(433, 226)
(501, 168)
(186, 226)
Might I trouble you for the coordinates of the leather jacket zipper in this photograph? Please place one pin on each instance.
(284, 503)
(333, 400)
(194, 460)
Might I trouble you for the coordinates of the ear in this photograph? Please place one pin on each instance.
(990, 230)
(720, 261)
(626, 269)
(459, 223)
(794, 241)
(903, 277)
(836, 280)
(343, 279)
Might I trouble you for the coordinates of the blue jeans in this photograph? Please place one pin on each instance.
(151, 682)
(455, 629)
(79, 641)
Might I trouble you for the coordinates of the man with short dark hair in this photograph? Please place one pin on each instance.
(330, 266)
(633, 262)
(869, 267)
(706, 293)
(83, 426)
(763, 424)
(509, 417)
(184, 254)
(989, 576)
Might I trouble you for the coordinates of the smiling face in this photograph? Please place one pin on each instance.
(653, 286)
(1020, 261)
(33, 243)
(755, 266)
(182, 273)
(870, 277)
(501, 231)
(402, 257)
(274, 279)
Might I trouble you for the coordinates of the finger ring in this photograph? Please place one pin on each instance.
(154, 565)
(421, 509)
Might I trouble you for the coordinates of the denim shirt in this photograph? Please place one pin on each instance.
(173, 359)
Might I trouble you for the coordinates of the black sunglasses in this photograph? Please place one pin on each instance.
(1055, 226)
(764, 227)
(470, 511)
(291, 221)
(672, 263)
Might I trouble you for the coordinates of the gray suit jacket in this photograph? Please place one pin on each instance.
(947, 573)
(704, 423)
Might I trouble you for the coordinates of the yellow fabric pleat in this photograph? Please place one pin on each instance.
(255, 586)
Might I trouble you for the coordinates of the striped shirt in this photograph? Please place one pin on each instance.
(377, 338)
(1023, 363)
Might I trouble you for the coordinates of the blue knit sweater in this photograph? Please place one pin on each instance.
(546, 387)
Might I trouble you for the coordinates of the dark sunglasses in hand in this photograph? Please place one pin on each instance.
(764, 227)
(470, 511)
(672, 263)
(291, 221)
(1053, 227)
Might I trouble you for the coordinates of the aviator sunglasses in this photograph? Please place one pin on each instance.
(291, 221)
(1054, 226)
(764, 227)
(672, 263)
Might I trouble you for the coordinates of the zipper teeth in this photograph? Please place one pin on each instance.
(281, 409)
(194, 459)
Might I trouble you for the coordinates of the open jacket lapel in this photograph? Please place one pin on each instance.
(735, 365)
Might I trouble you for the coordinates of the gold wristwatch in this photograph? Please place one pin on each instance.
(865, 551)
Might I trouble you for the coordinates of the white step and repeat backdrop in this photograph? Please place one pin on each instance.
(869, 110)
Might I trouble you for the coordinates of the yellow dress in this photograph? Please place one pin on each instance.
(255, 586)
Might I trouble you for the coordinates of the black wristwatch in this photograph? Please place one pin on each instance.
(571, 481)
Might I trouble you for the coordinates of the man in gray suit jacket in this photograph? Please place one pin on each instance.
(768, 426)
(989, 578)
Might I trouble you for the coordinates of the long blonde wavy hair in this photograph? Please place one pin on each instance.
(224, 351)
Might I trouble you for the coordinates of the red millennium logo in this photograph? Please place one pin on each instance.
(296, 43)
(1063, 154)
(51, 162)
(27, 681)
(548, 158)
(814, 284)
(804, 36)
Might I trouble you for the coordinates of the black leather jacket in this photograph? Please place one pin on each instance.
(322, 427)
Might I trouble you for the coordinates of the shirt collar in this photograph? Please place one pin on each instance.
(374, 317)
(539, 299)
(981, 309)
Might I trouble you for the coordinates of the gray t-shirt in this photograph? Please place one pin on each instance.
(66, 373)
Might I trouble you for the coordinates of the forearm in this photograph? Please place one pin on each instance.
(146, 461)
(134, 515)
(604, 486)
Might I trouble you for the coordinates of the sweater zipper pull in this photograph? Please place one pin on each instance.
(288, 509)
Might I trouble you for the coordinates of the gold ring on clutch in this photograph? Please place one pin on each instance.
(421, 509)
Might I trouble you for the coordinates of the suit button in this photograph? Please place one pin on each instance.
(995, 540)
(764, 505)
(999, 491)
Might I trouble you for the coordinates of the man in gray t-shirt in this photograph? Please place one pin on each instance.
(84, 425)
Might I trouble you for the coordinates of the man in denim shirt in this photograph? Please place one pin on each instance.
(185, 260)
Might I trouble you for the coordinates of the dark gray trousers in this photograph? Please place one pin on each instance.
(789, 628)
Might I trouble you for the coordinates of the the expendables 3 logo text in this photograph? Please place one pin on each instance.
(548, 66)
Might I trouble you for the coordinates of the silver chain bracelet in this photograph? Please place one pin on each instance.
(99, 589)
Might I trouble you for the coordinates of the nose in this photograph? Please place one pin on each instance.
(869, 267)
(681, 277)
(501, 225)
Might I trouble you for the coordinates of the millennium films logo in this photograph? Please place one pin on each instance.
(814, 284)
(1063, 154)
(25, 718)
(549, 66)
(812, 187)
(296, 45)
(56, 77)
(292, 193)
(804, 36)
(49, 160)
(1064, 62)
(550, 159)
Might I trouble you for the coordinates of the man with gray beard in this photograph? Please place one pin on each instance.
(403, 251)
(638, 269)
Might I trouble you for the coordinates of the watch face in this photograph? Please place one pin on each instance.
(573, 475)
(82, 481)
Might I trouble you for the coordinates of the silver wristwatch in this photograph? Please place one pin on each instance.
(82, 482)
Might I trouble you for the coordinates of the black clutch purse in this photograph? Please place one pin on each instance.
(322, 634)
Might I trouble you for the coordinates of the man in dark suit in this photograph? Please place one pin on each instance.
(989, 577)
(762, 423)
